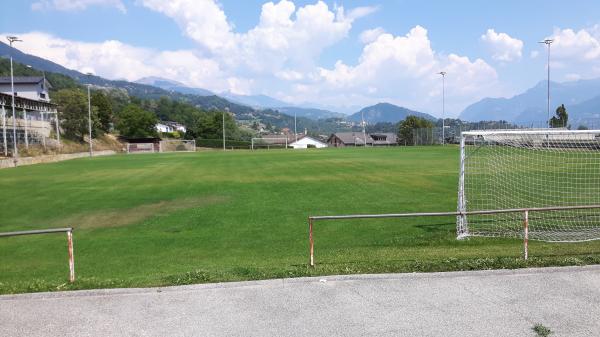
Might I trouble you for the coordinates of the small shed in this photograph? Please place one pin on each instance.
(307, 142)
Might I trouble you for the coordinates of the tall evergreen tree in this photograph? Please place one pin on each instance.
(561, 118)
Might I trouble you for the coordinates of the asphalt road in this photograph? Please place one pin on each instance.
(482, 303)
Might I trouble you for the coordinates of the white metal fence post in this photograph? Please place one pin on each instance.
(312, 242)
(461, 229)
(526, 235)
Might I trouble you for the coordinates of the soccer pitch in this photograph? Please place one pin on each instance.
(164, 219)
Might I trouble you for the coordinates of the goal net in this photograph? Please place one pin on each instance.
(176, 145)
(530, 169)
(269, 143)
(140, 148)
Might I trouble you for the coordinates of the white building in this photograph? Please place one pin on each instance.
(30, 87)
(306, 142)
(163, 127)
(166, 126)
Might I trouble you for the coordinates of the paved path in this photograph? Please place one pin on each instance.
(483, 303)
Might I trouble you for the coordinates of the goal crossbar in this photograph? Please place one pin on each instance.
(268, 142)
(527, 132)
(525, 211)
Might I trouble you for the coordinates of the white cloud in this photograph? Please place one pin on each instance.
(280, 57)
(580, 45)
(404, 69)
(371, 35)
(114, 59)
(575, 54)
(286, 37)
(76, 5)
(503, 47)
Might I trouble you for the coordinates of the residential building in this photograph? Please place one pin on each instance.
(342, 139)
(167, 127)
(307, 142)
(30, 87)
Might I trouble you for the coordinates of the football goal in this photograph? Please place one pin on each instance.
(140, 148)
(269, 143)
(521, 169)
(177, 145)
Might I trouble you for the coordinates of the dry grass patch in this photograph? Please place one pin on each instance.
(128, 216)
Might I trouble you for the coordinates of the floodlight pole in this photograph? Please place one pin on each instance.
(226, 109)
(443, 73)
(295, 131)
(548, 42)
(12, 39)
(90, 117)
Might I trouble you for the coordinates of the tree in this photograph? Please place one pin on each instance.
(406, 128)
(561, 118)
(73, 114)
(209, 125)
(105, 111)
(135, 122)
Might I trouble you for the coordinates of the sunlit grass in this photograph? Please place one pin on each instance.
(159, 219)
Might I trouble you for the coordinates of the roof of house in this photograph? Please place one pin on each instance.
(290, 137)
(305, 136)
(21, 79)
(352, 137)
(390, 138)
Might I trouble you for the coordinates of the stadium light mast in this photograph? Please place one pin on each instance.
(548, 42)
(295, 131)
(443, 73)
(226, 110)
(12, 39)
(89, 75)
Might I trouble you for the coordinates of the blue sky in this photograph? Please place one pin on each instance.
(323, 56)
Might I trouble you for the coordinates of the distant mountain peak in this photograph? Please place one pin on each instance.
(386, 112)
(530, 106)
(150, 80)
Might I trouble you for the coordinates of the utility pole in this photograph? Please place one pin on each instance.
(12, 39)
(443, 73)
(226, 109)
(89, 75)
(295, 131)
(548, 42)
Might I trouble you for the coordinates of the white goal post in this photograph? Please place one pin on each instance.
(140, 148)
(269, 142)
(177, 145)
(508, 169)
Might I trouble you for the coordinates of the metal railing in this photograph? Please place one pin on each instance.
(69, 232)
(525, 211)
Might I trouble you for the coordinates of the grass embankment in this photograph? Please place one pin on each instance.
(163, 219)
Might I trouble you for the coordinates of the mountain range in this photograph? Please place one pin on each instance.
(243, 106)
(581, 98)
(386, 112)
(171, 85)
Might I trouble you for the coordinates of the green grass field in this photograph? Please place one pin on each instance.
(163, 219)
